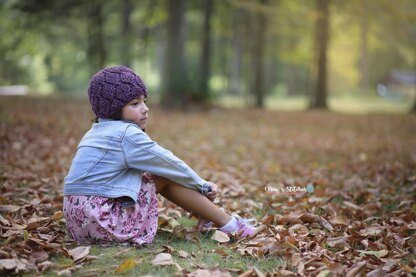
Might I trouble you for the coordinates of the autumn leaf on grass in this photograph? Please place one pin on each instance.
(378, 254)
(220, 236)
(183, 254)
(128, 264)
(80, 253)
(209, 273)
(163, 259)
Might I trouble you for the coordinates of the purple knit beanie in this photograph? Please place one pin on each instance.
(113, 87)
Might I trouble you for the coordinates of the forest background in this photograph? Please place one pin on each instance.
(354, 56)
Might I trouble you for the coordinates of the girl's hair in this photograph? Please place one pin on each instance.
(118, 115)
(115, 116)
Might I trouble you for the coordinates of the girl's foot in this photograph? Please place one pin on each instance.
(240, 226)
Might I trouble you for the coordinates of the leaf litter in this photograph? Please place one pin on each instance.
(359, 218)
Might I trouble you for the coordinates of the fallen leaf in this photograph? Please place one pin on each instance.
(15, 265)
(325, 224)
(338, 220)
(79, 253)
(324, 273)
(4, 222)
(38, 256)
(9, 208)
(183, 254)
(220, 236)
(209, 273)
(163, 259)
(355, 269)
(128, 264)
(372, 231)
(378, 254)
(57, 215)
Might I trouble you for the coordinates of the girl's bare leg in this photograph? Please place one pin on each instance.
(191, 200)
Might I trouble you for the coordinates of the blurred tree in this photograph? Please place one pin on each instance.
(15, 42)
(318, 96)
(96, 44)
(205, 58)
(364, 78)
(258, 55)
(126, 33)
(413, 109)
(175, 81)
(235, 86)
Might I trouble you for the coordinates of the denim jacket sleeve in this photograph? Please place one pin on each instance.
(142, 153)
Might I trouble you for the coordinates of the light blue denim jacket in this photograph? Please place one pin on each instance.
(112, 157)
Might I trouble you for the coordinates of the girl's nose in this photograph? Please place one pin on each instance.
(145, 109)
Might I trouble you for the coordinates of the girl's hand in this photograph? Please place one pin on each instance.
(201, 223)
(213, 193)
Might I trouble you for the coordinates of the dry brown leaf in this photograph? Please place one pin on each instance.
(356, 268)
(337, 268)
(183, 254)
(14, 265)
(220, 236)
(209, 273)
(169, 249)
(9, 208)
(377, 254)
(79, 253)
(38, 255)
(57, 215)
(4, 222)
(373, 231)
(338, 220)
(325, 224)
(46, 265)
(163, 259)
(338, 242)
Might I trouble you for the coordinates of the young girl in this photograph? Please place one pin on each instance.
(110, 191)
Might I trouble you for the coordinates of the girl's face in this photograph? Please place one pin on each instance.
(136, 111)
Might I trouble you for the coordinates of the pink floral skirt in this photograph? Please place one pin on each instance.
(101, 220)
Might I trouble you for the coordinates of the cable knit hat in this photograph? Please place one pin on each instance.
(113, 87)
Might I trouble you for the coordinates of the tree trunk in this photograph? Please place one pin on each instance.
(205, 59)
(96, 45)
(258, 59)
(175, 78)
(413, 110)
(364, 80)
(291, 80)
(318, 99)
(126, 36)
(236, 59)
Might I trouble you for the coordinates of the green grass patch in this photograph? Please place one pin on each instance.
(203, 254)
(346, 103)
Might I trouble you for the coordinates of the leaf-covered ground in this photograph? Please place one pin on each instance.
(335, 192)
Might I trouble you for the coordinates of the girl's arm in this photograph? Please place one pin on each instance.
(142, 153)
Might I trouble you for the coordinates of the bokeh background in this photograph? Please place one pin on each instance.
(350, 56)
